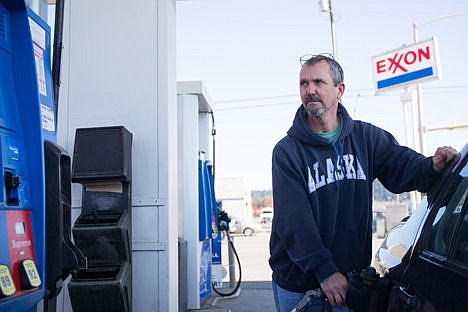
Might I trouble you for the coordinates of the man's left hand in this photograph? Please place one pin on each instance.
(445, 158)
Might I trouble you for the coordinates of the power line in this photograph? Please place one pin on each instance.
(256, 106)
(355, 93)
(255, 99)
(348, 91)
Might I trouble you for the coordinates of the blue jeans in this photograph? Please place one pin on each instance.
(286, 300)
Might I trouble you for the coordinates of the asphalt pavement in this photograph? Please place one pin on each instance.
(252, 296)
(254, 293)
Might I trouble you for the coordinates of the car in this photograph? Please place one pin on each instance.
(425, 257)
(243, 227)
(266, 216)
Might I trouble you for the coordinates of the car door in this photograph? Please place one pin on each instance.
(436, 276)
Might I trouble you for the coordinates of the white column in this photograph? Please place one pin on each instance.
(409, 115)
(188, 106)
(119, 69)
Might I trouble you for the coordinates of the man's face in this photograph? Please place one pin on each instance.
(318, 92)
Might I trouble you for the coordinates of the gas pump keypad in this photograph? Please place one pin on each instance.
(7, 286)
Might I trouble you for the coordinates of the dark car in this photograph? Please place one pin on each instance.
(426, 258)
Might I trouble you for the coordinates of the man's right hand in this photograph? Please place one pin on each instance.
(335, 288)
(445, 158)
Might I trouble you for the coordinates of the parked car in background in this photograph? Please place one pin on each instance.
(266, 216)
(426, 257)
(244, 227)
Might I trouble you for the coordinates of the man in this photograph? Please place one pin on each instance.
(322, 189)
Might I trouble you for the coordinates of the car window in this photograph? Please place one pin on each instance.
(449, 214)
(461, 244)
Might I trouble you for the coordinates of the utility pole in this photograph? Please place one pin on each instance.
(326, 6)
(422, 129)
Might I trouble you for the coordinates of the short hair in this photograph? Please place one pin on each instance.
(335, 69)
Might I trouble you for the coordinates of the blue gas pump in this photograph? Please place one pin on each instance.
(209, 234)
(214, 207)
(207, 224)
(212, 221)
(36, 253)
(22, 211)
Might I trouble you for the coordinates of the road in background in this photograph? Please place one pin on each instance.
(254, 252)
(255, 291)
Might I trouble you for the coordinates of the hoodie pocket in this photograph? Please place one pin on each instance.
(347, 251)
(300, 280)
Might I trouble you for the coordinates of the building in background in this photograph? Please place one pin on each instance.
(235, 197)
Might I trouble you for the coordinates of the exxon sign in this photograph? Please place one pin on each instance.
(407, 65)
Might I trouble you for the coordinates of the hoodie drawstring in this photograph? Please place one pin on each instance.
(339, 160)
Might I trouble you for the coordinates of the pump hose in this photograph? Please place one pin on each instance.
(240, 270)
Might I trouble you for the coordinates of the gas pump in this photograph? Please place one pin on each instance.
(36, 253)
(213, 222)
(207, 225)
(22, 211)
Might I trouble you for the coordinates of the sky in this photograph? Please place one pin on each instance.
(247, 52)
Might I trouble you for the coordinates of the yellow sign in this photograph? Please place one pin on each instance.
(7, 287)
(31, 272)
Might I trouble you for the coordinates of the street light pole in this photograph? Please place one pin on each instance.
(332, 26)
(327, 7)
(416, 27)
(419, 101)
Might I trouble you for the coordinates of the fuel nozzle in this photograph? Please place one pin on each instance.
(223, 220)
(367, 291)
(369, 276)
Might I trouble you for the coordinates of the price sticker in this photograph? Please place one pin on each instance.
(7, 287)
(31, 272)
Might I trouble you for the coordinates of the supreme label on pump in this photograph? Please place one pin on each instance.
(7, 287)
